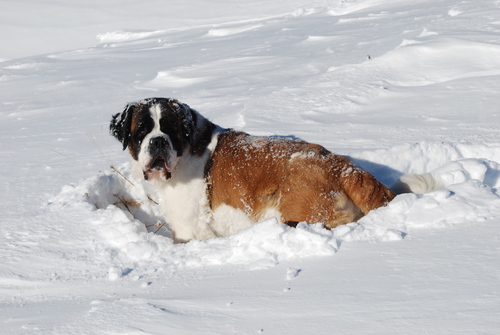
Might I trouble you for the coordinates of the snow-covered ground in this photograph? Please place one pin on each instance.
(400, 86)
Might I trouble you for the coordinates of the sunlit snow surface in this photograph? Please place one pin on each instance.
(398, 86)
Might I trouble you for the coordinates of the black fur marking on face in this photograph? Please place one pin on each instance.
(176, 121)
(169, 126)
(142, 125)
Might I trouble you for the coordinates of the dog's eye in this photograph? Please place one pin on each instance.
(141, 132)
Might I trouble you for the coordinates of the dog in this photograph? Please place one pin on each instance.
(214, 182)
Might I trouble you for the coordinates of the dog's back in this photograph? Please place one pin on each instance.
(297, 180)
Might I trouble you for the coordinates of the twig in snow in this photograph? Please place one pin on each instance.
(162, 224)
(106, 158)
(127, 203)
(154, 202)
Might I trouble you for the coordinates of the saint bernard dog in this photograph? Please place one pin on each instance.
(213, 182)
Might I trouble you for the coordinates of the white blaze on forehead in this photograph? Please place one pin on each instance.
(155, 112)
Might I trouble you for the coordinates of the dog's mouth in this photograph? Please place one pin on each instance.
(159, 165)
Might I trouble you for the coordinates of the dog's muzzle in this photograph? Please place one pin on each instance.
(159, 149)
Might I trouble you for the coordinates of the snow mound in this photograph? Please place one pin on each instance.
(166, 79)
(130, 228)
(425, 62)
(440, 60)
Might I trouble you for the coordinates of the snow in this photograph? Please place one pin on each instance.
(399, 86)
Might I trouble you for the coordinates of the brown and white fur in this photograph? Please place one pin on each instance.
(214, 182)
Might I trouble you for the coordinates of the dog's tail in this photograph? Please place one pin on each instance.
(417, 183)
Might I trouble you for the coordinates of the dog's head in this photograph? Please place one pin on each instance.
(157, 132)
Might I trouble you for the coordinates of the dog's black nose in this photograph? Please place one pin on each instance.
(158, 142)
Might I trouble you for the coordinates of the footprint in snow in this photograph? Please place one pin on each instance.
(292, 273)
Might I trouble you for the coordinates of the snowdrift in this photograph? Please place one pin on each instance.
(128, 222)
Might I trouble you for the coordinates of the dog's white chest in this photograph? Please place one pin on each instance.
(185, 206)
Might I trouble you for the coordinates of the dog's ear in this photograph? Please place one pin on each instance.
(198, 130)
(189, 123)
(121, 123)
